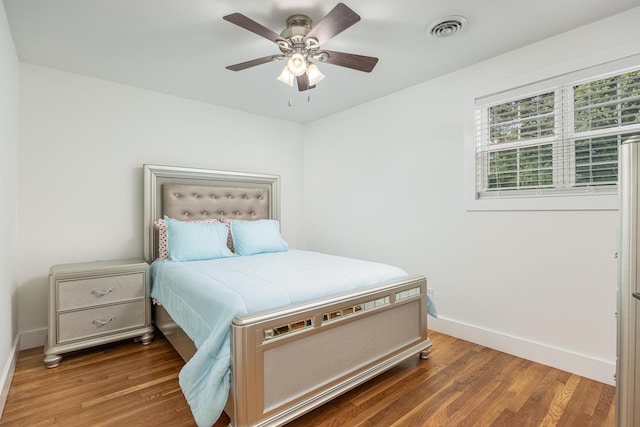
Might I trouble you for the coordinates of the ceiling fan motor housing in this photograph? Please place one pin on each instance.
(298, 26)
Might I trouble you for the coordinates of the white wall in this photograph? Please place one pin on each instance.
(386, 181)
(82, 146)
(9, 79)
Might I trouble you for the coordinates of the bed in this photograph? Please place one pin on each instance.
(284, 360)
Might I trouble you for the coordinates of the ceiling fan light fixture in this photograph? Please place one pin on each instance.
(297, 65)
(286, 77)
(301, 43)
(314, 74)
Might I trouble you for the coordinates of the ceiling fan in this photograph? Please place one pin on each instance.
(300, 43)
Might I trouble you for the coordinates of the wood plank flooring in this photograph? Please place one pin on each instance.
(462, 384)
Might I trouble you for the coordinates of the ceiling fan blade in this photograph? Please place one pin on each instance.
(251, 25)
(254, 62)
(349, 60)
(336, 21)
(303, 83)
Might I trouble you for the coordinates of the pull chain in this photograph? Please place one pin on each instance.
(291, 89)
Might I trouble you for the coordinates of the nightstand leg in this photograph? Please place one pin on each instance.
(52, 360)
(146, 338)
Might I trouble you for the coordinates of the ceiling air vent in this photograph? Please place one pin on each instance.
(447, 27)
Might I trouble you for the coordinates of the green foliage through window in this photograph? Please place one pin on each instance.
(607, 103)
(522, 119)
(597, 160)
(521, 167)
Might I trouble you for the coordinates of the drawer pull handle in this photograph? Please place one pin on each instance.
(102, 291)
(103, 322)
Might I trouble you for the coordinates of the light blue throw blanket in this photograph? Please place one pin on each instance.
(204, 297)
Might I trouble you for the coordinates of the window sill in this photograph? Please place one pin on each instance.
(544, 203)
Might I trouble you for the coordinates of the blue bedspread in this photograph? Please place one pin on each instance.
(204, 297)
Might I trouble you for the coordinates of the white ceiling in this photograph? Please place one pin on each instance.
(180, 47)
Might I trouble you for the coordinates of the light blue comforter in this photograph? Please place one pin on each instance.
(204, 297)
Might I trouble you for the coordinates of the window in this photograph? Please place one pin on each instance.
(558, 137)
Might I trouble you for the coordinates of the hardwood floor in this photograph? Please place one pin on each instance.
(462, 384)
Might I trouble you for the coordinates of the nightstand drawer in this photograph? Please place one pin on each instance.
(82, 324)
(88, 292)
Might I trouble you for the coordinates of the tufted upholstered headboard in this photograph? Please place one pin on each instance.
(190, 194)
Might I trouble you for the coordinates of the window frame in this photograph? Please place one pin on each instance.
(482, 115)
(581, 197)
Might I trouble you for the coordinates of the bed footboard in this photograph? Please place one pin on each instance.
(287, 362)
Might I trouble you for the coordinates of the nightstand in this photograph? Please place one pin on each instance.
(95, 303)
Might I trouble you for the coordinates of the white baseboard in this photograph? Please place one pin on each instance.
(7, 374)
(579, 364)
(23, 341)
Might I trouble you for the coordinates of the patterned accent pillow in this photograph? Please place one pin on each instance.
(162, 234)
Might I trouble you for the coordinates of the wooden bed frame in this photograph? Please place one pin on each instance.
(288, 361)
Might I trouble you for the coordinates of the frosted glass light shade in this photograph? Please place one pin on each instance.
(297, 64)
(314, 74)
(286, 77)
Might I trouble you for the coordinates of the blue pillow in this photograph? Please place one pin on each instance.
(256, 237)
(192, 241)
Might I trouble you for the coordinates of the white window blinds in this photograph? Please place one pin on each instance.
(555, 137)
